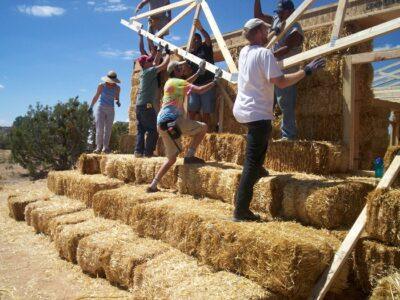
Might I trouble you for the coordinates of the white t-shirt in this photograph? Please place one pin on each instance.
(255, 98)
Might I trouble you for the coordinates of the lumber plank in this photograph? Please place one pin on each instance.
(176, 19)
(342, 43)
(193, 28)
(219, 38)
(352, 237)
(136, 26)
(291, 20)
(162, 9)
(368, 57)
(339, 20)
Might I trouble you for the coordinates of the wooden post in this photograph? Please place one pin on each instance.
(350, 118)
(162, 9)
(226, 96)
(395, 123)
(339, 20)
(221, 114)
(176, 19)
(193, 28)
(340, 258)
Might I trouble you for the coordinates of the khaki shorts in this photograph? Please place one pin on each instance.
(158, 23)
(187, 127)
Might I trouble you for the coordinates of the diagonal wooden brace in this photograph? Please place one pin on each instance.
(176, 19)
(162, 9)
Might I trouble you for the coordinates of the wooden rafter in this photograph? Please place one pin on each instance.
(193, 28)
(339, 20)
(162, 9)
(176, 19)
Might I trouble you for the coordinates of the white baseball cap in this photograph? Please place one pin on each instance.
(253, 23)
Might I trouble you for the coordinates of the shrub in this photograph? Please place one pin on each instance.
(119, 129)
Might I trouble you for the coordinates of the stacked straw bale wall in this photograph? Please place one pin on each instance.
(388, 288)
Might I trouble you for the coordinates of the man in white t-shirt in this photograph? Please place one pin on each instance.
(258, 74)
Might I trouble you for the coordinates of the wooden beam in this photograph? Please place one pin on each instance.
(218, 36)
(162, 9)
(193, 28)
(395, 94)
(382, 75)
(221, 113)
(176, 19)
(369, 57)
(341, 256)
(225, 94)
(136, 26)
(342, 43)
(339, 20)
(387, 67)
(386, 103)
(290, 21)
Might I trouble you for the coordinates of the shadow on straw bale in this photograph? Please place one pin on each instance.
(67, 237)
(383, 216)
(372, 261)
(283, 257)
(387, 288)
(72, 218)
(89, 163)
(117, 204)
(17, 202)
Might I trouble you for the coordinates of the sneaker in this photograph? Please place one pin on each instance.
(193, 160)
(151, 190)
(138, 155)
(107, 151)
(246, 217)
(97, 151)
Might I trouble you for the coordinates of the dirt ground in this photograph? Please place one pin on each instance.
(30, 267)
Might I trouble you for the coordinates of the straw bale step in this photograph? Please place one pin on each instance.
(383, 221)
(117, 204)
(372, 261)
(315, 157)
(387, 288)
(67, 237)
(89, 163)
(78, 186)
(283, 257)
(174, 275)
(18, 201)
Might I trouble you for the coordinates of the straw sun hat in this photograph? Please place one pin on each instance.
(111, 77)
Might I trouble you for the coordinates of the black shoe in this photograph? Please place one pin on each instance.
(263, 173)
(151, 190)
(246, 217)
(193, 160)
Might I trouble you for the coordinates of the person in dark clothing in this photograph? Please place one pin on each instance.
(203, 104)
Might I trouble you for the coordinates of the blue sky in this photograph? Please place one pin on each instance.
(52, 50)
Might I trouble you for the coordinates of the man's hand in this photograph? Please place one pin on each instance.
(316, 64)
(202, 68)
(160, 47)
(118, 103)
(198, 25)
(166, 50)
(218, 76)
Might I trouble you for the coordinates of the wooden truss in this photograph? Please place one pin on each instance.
(198, 6)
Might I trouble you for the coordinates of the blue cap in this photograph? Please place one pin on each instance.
(283, 5)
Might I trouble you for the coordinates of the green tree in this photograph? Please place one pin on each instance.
(118, 129)
(4, 139)
(50, 138)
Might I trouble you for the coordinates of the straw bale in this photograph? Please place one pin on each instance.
(174, 275)
(94, 251)
(89, 163)
(17, 202)
(388, 288)
(41, 216)
(317, 127)
(390, 154)
(72, 218)
(373, 261)
(307, 157)
(127, 143)
(330, 204)
(117, 204)
(78, 186)
(35, 205)
(214, 180)
(286, 258)
(140, 170)
(383, 216)
(67, 237)
(125, 258)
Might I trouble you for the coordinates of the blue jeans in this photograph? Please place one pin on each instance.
(256, 148)
(204, 102)
(286, 99)
(146, 124)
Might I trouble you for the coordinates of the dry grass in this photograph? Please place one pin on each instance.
(67, 237)
(17, 201)
(78, 186)
(283, 257)
(89, 163)
(117, 204)
(388, 288)
(174, 275)
(214, 180)
(383, 221)
(41, 216)
(373, 261)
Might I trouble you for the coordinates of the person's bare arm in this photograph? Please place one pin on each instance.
(204, 33)
(288, 79)
(193, 78)
(203, 89)
(163, 66)
(140, 5)
(294, 40)
(97, 95)
(260, 15)
(157, 59)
